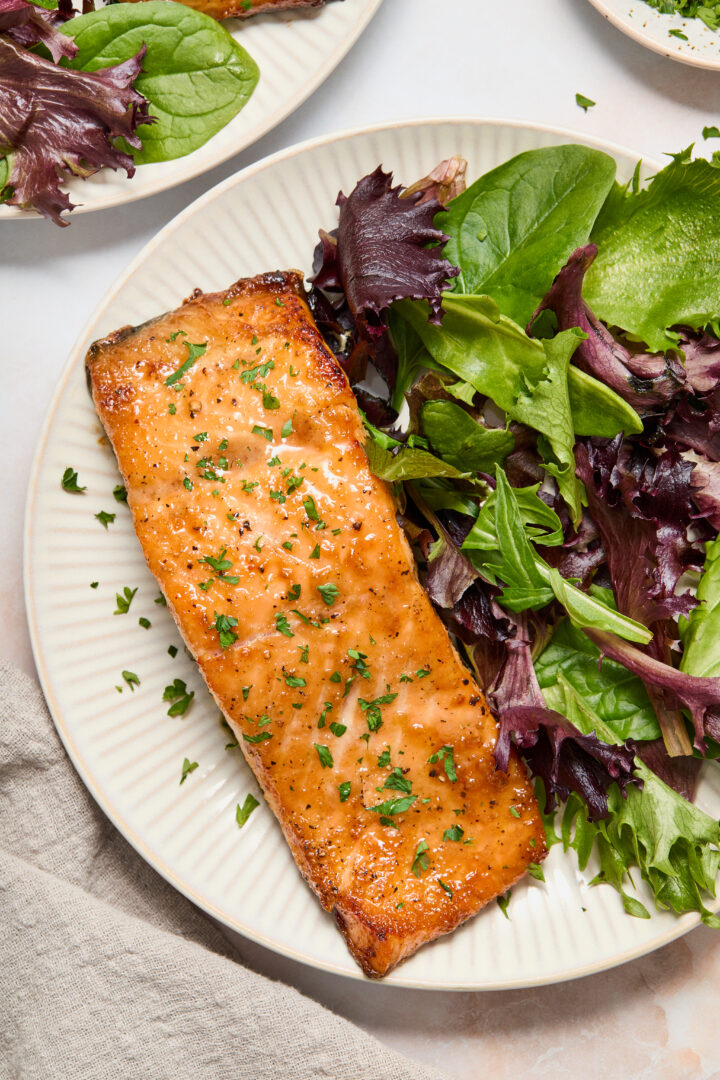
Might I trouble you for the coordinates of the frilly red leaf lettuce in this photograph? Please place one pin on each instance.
(387, 249)
(54, 120)
(27, 24)
(556, 751)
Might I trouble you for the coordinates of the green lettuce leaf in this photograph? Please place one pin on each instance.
(658, 262)
(508, 557)
(701, 630)
(462, 441)
(673, 843)
(407, 464)
(619, 698)
(515, 227)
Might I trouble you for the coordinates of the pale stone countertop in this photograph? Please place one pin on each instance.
(656, 1018)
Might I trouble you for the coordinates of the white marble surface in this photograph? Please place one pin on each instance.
(655, 1018)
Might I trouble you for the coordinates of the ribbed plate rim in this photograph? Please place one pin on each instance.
(684, 923)
(196, 167)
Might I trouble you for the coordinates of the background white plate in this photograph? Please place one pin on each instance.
(651, 28)
(295, 51)
(128, 752)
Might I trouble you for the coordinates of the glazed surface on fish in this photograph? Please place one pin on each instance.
(279, 554)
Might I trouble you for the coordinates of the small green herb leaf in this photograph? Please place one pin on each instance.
(187, 767)
(242, 813)
(69, 482)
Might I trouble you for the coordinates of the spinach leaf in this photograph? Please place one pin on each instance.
(195, 75)
(701, 630)
(619, 698)
(4, 172)
(462, 441)
(658, 262)
(407, 464)
(514, 228)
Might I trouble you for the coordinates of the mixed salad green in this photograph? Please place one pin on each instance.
(706, 10)
(127, 84)
(537, 358)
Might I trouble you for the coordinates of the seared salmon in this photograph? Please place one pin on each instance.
(245, 9)
(279, 554)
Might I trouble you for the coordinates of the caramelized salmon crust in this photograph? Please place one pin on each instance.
(279, 554)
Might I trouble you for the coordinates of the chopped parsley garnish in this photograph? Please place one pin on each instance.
(145, 623)
(269, 400)
(536, 871)
(201, 436)
(445, 754)
(421, 860)
(176, 334)
(124, 600)
(329, 592)
(514, 811)
(259, 543)
(323, 714)
(246, 691)
(344, 790)
(194, 353)
(105, 519)
(224, 625)
(389, 822)
(265, 432)
(120, 493)
(172, 408)
(372, 710)
(384, 758)
(502, 903)
(69, 482)
(287, 428)
(187, 767)
(397, 782)
(220, 565)
(393, 806)
(422, 673)
(455, 832)
(160, 599)
(315, 553)
(585, 103)
(287, 544)
(304, 651)
(293, 592)
(248, 485)
(188, 484)
(294, 680)
(445, 888)
(178, 693)
(278, 301)
(278, 496)
(711, 132)
(131, 679)
(311, 508)
(338, 729)
(282, 624)
(336, 677)
(678, 34)
(405, 678)
(242, 813)
(260, 371)
(173, 651)
(94, 584)
(262, 737)
(326, 758)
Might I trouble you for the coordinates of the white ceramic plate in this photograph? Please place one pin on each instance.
(125, 747)
(651, 28)
(295, 51)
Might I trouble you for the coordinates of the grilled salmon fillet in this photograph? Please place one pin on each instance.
(244, 9)
(280, 557)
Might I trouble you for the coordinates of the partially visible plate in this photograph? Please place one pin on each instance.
(125, 747)
(651, 28)
(295, 51)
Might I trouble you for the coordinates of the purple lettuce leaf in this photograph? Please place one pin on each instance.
(54, 120)
(699, 694)
(647, 382)
(556, 751)
(679, 773)
(387, 249)
(694, 424)
(27, 24)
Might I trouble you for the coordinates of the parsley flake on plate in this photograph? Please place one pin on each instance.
(188, 766)
(69, 482)
(105, 519)
(242, 813)
(124, 600)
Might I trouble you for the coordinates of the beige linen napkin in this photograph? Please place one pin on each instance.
(108, 972)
